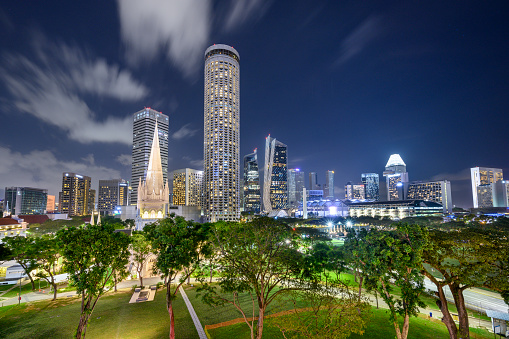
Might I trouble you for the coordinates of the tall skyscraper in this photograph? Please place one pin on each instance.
(484, 176)
(371, 182)
(221, 134)
(295, 186)
(395, 173)
(313, 181)
(275, 183)
(355, 191)
(144, 122)
(251, 184)
(112, 193)
(26, 200)
(328, 188)
(187, 187)
(75, 194)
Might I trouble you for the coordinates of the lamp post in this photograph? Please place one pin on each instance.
(19, 297)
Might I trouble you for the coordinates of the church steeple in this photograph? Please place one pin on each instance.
(154, 179)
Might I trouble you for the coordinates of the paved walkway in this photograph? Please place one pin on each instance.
(196, 321)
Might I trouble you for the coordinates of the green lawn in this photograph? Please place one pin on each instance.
(378, 327)
(113, 317)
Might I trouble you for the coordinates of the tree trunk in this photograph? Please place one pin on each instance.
(396, 328)
(259, 326)
(447, 318)
(141, 280)
(54, 291)
(211, 274)
(82, 326)
(457, 293)
(169, 306)
(115, 280)
(361, 279)
(406, 326)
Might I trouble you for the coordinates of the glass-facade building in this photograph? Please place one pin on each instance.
(295, 187)
(112, 193)
(251, 195)
(371, 182)
(482, 176)
(437, 191)
(355, 191)
(275, 185)
(329, 185)
(187, 187)
(26, 200)
(221, 143)
(144, 123)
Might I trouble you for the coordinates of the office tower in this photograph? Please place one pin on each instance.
(437, 191)
(355, 191)
(295, 186)
(144, 122)
(251, 184)
(187, 187)
(501, 193)
(482, 176)
(329, 185)
(112, 193)
(153, 190)
(50, 205)
(395, 173)
(25, 200)
(221, 134)
(372, 185)
(75, 194)
(91, 201)
(275, 183)
(313, 181)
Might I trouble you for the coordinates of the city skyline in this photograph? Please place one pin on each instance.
(432, 72)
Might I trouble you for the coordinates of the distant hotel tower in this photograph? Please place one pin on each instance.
(187, 187)
(484, 186)
(251, 186)
(395, 173)
(275, 182)
(221, 134)
(371, 183)
(328, 188)
(144, 122)
(112, 193)
(76, 194)
(295, 186)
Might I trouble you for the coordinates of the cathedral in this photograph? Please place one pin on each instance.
(153, 192)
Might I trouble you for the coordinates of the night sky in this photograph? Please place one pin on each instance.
(343, 83)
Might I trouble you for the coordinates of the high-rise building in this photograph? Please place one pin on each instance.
(329, 185)
(295, 186)
(112, 193)
(26, 200)
(437, 191)
(144, 122)
(50, 205)
(371, 183)
(395, 173)
(153, 191)
(355, 191)
(75, 194)
(221, 133)
(187, 187)
(482, 176)
(251, 184)
(501, 193)
(313, 181)
(275, 183)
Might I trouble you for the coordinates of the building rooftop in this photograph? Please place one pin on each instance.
(395, 160)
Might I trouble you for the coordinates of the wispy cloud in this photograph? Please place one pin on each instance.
(360, 37)
(42, 169)
(196, 163)
(458, 176)
(125, 159)
(52, 84)
(184, 132)
(242, 10)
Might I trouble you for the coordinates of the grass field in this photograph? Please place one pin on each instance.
(378, 327)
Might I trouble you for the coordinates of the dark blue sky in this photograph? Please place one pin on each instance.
(343, 83)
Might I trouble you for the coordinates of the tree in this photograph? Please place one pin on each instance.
(395, 257)
(5, 253)
(354, 248)
(260, 258)
(91, 254)
(23, 251)
(178, 244)
(460, 259)
(48, 253)
(141, 252)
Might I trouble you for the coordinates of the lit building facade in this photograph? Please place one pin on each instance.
(395, 173)
(371, 182)
(144, 122)
(26, 200)
(355, 191)
(251, 195)
(295, 186)
(482, 176)
(75, 194)
(437, 191)
(313, 181)
(329, 185)
(275, 183)
(221, 133)
(112, 193)
(501, 193)
(187, 187)
(484, 196)
(395, 209)
(50, 204)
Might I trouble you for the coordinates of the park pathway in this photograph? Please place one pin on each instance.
(196, 320)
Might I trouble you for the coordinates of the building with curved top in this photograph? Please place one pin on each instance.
(396, 175)
(221, 142)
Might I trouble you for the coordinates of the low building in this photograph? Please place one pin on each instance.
(26, 200)
(394, 209)
(11, 227)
